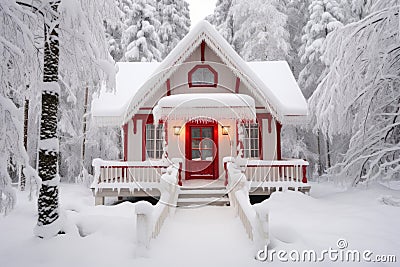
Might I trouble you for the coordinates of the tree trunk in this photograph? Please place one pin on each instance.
(328, 152)
(22, 181)
(48, 148)
(319, 154)
(84, 126)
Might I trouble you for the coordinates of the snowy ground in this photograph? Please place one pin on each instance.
(209, 236)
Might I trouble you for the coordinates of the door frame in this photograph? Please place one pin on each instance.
(188, 146)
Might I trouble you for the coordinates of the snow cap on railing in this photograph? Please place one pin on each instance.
(143, 207)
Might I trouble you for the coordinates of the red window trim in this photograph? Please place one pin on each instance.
(259, 121)
(204, 66)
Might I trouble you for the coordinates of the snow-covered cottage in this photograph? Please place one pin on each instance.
(202, 116)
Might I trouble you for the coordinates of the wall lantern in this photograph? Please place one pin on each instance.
(177, 130)
(225, 130)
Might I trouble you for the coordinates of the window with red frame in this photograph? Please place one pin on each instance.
(203, 76)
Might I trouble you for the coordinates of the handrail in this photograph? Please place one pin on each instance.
(254, 222)
(148, 163)
(285, 162)
(151, 218)
(120, 172)
(288, 170)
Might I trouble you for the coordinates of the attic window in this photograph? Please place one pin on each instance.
(203, 76)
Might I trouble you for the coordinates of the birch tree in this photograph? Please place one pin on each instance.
(48, 149)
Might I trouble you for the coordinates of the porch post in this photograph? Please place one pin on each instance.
(180, 174)
(125, 140)
(239, 141)
(165, 142)
(278, 140)
(226, 173)
(304, 174)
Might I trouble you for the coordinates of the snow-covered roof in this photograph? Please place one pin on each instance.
(272, 83)
(216, 106)
(109, 107)
(279, 84)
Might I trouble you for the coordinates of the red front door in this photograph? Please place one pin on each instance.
(201, 150)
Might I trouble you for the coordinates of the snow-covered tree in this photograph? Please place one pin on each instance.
(77, 34)
(255, 29)
(16, 72)
(324, 17)
(360, 96)
(140, 39)
(175, 22)
(297, 14)
(48, 148)
(222, 19)
(83, 39)
(114, 36)
(260, 31)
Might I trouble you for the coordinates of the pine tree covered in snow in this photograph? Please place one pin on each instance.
(360, 97)
(256, 29)
(140, 39)
(260, 30)
(297, 13)
(175, 22)
(356, 9)
(222, 19)
(324, 17)
(114, 34)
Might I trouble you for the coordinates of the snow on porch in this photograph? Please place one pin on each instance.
(217, 106)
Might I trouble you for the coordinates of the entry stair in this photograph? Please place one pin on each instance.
(203, 196)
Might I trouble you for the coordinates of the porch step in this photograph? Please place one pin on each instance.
(203, 201)
(195, 193)
(216, 196)
(205, 188)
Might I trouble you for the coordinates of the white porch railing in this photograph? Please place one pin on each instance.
(265, 171)
(123, 172)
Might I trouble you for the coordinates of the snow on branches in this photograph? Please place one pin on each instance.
(324, 17)
(16, 72)
(140, 39)
(360, 96)
(256, 29)
(175, 23)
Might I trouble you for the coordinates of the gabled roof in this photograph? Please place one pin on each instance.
(272, 83)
